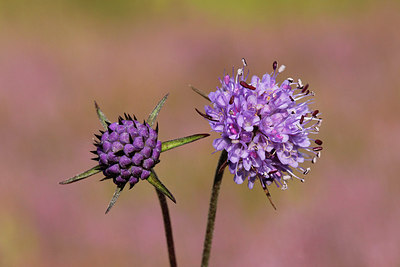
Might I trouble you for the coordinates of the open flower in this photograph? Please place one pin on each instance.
(128, 150)
(265, 127)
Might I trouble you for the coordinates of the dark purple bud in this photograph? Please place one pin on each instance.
(159, 145)
(119, 179)
(116, 146)
(145, 174)
(151, 142)
(124, 161)
(126, 174)
(113, 137)
(148, 163)
(138, 142)
(112, 158)
(103, 159)
(128, 149)
(132, 131)
(137, 159)
(114, 169)
(105, 136)
(132, 181)
(120, 129)
(156, 154)
(146, 152)
(124, 138)
(136, 171)
(143, 130)
(113, 126)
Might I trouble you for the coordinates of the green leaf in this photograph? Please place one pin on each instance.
(117, 192)
(199, 92)
(102, 117)
(153, 115)
(181, 141)
(153, 179)
(86, 174)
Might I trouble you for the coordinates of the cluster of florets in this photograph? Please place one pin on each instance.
(264, 127)
(127, 151)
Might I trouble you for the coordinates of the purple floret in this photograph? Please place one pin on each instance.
(127, 151)
(265, 127)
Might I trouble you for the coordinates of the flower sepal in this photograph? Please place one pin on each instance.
(167, 145)
(96, 169)
(154, 181)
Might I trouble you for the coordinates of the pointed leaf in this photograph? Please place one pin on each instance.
(117, 192)
(86, 174)
(153, 179)
(102, 117)
(153, 115)
(199, 92)
(181, 141)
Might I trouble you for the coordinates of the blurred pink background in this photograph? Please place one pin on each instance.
(57, 57)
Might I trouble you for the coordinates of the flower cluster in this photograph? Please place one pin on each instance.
(265, 127)
(127, 151)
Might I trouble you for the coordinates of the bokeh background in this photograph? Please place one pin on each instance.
(56, 57)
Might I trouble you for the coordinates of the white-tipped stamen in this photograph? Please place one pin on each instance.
(244, 62)
(306, 171)
(284, 186)
(239, 73)
(290, 80)
(314, 160)
(300, 84)
(281, 68)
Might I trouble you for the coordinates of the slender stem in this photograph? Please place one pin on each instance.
(213, 209)
(168, 228)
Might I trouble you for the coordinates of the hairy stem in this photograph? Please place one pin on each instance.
(213, 209)
(168, 228)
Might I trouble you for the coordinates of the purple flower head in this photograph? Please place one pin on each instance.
(127, 151)
(265, 127)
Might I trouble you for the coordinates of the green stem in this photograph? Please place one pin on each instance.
(213, 209)
(168, 228)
